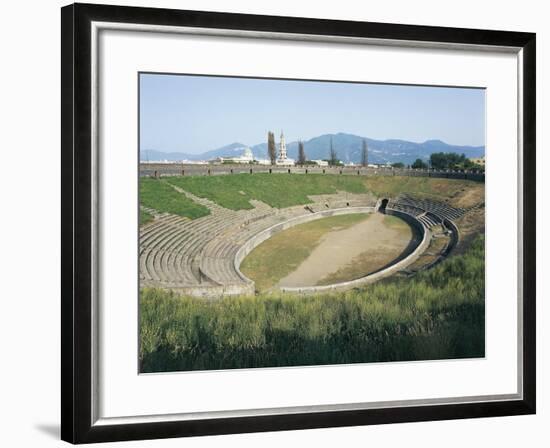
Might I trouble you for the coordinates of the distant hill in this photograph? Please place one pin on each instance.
(234, 149)
(347, 146)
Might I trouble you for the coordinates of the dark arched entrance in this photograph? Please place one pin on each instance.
(383, 204)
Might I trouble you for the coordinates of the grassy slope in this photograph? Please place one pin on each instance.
(470, 225)
(283, 253)
(157, 194)
(144, 217)
(453, 190)
(438, 314)
(285, 190)
(277, 190)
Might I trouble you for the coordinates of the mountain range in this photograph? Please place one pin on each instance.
(347, 146)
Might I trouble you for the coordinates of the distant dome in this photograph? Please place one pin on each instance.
(247, 153)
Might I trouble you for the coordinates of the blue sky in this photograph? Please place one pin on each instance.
(193, 114)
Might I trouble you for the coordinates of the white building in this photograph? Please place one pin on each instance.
(245, 157)
(321, 162)
(283, 160)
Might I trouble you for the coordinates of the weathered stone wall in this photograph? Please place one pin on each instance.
(217, 292)
(178, 169)
(455, 236)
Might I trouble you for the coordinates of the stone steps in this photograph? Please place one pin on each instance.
(439, 209)
(179, 252)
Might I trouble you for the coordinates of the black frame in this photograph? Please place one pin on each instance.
(76, 223)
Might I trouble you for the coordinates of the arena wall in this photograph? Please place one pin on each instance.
(179, 169)
(455, 236)
(216, 292)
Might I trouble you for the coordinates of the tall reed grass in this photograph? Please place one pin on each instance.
(437, 314)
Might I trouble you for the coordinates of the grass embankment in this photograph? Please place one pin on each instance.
(277, 190)
(159, 195)
(459, 193)
(144, 217)
(470, 225)
(284, 252)
(438, 314)
(284, 190)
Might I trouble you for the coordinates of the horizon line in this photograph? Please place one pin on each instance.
(321, 135)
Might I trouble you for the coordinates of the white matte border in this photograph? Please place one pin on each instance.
(122, 392)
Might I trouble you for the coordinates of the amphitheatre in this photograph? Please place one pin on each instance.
(211, 236)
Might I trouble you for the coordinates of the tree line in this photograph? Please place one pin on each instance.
(443, 161)
(453, 161)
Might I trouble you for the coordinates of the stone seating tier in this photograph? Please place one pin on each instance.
(178, 252)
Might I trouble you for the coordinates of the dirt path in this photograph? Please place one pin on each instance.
(469, 197)
(339, 248)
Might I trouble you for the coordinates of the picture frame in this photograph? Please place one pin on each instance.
(81, 169)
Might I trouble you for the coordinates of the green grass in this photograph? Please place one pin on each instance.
(159, 195)
(285, 190)
(281, 254)
(277, 190)
(144, 217)
(438, 314)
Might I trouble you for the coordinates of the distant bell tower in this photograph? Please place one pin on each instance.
(282, 147)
